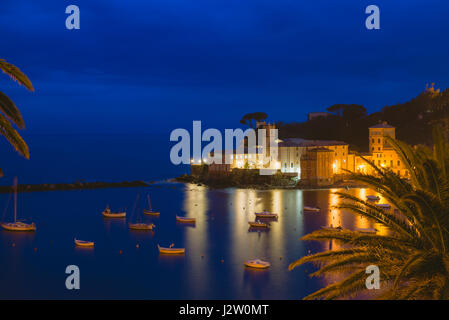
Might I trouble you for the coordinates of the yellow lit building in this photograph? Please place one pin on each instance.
(381, 152)
(322, 162)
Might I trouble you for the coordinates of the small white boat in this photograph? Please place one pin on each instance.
(366, 230)
(108, 214)
(311, 209)
(185, 219)
(257, 263)
(372, 198)
(266, 214)
(384, 206)
(19, 226)
(171, 250)
(257, 224)
(141, 226)
(82, 243)
(150, 211)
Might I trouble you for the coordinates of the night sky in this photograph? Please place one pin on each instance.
(155, 65)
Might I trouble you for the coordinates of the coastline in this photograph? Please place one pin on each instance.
(214, 184)
(220, 184)
(73, 186)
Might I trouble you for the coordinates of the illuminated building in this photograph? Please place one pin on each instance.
(381, 152)
(319, 162)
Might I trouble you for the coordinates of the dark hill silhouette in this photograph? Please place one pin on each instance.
(413, 121)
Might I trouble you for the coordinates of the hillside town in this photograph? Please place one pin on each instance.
(311, 162)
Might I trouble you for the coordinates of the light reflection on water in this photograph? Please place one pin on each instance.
(126, 264)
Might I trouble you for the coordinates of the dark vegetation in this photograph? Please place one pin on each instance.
(413, 120)
(72, 186)
(240, 178)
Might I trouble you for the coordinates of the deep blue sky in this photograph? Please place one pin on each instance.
(154, 65)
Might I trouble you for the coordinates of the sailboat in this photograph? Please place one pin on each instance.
(17, 225)
(140, 225)
(150, 211)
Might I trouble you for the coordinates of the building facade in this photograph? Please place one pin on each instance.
(320, 162)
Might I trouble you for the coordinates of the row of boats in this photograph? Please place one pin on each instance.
(262, 220)
(171, 250)
(107, 213)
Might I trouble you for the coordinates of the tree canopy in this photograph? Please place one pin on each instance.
(248, 118)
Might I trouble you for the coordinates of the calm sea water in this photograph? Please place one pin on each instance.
(33, 264)
(125, 264)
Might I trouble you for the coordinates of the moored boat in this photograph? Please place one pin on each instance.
(150, 211)
(373, 198)
(109, 214)
(266, 214)
(141, 226)
(171, 250)
(257, 224)
(185, 219)
(17, 225)
(257, 263)
(82, 243)
(311, 209)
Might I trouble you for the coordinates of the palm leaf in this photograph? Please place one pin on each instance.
(13, 137)
(10, 110)
(16, 74)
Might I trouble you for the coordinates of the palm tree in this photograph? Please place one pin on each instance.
(10, 114)
(413, 257)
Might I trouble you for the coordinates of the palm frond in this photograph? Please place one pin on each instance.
(13, 137)
(16, 74)
(413, 255)
(9, 109)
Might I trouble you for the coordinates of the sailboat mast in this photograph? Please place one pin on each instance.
(149, 202)
(15, 199)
